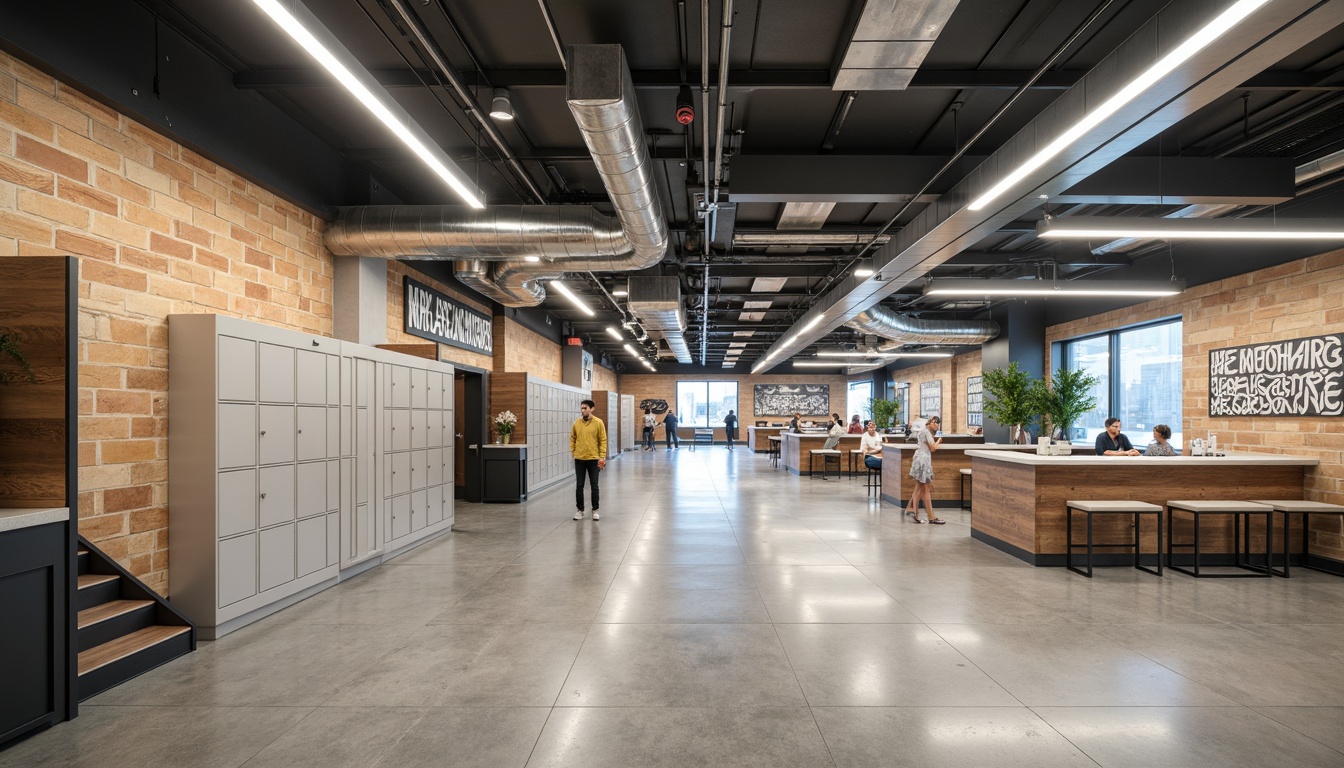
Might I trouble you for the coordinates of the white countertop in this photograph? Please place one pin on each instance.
(968, 447)
(504, 445)
(14, 519)
(1233, 459)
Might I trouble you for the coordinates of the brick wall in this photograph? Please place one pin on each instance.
(952, 372)
(396, 317)
(605, 378)
(1301, 298)
(521, 350)
(158, 230)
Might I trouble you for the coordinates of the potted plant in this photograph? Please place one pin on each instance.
(885, 413)
(1067, 397)
(505, 421)
(1014, 400)
(9, 347)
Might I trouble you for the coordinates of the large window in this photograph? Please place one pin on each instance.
(1140, 380)
(856, 400)
(705, 403)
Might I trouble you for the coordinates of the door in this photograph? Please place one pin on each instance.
(470, 414)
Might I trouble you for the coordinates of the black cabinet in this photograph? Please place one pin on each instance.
(504, 473)
(34, 663)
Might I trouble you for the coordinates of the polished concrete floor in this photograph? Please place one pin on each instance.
(724, 613)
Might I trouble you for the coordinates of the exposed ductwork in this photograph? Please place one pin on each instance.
(903, 329)
(504, 252)
(656, 301)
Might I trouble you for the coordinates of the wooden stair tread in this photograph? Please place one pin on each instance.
(109, 610)
(116, 650)
(87, 580)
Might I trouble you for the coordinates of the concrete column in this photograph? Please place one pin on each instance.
(1021, 339)
(359, 301)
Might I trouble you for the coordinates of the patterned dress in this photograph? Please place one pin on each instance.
(921, 467)
(1159, 449)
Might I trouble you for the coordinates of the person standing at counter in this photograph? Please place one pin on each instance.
(870, 446)
(1113, 442)
(730, 428)
(1160, 446)
(588, 443)
(855, 428)
(921, 469)
(794, 425)
(670, 435)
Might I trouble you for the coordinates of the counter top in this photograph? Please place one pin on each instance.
(1233, 459)
(504, 445)
(970, 447)
(14, 519)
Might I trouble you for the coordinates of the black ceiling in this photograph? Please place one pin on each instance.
(866, 151)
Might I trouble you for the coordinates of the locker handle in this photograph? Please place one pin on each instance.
(263, 495)
(263, 433)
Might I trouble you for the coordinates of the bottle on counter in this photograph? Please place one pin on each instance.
(1213, 444)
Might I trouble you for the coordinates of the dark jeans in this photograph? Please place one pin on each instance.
(671, 436)
(872, 461)
(729, 434)
(648, 438)
(586, 468)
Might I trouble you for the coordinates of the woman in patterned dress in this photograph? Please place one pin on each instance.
(921, 469)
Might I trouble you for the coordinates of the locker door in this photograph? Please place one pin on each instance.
(276, 366)
(419, 428)
(276, 502)
(398, 430)
(311, 376)
(276, 555)
(435, 505)
(312, 432)
(401, 386)
(237, 569)
(435, 391)
(401, 516)
(237, 369)
(311, 494)
(277, 434)
(237, 435)
(419, 510)
(237, 502)
(312, 545)
(419, 387)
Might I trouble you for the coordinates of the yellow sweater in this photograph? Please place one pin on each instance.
(588, 441)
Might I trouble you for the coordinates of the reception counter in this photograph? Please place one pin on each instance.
(948, 461)
(1019, 496)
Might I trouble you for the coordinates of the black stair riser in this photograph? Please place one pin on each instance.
(120, 626)
(118, 672)
(97, 595)
(82, 560)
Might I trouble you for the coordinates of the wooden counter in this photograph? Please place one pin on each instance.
(1019, 497)
(948, 461)
(759, 437)
(794, 451)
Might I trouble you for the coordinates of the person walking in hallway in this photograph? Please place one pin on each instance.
(588, 443)
(650, 423)
(921, 469)
(670, 430)
(730, 428)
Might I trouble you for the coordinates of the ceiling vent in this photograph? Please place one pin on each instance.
(656, 301)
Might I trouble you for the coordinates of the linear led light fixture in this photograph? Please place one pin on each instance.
(615, 334)
(952, 286)
(568, 294)
(1191, 229)
(816, 364)
(304, 28)
(848, 353)
(1182, 53)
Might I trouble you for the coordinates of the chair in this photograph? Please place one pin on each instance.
(702, 437)
(773, 452)
(1304, 508)
(965, 475)
(1107, 507)
(854, 453)
(873, 483)
(827, 455)
(1198, 508)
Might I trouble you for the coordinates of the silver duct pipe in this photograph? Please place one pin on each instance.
(903, 329)
(491, 248)
(1304, 174)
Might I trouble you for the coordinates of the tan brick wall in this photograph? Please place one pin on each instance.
(661, 386)
(396, 319)
(158, 229)
(521, 350)
(952, 372)
(1301, 298)
(605, 379)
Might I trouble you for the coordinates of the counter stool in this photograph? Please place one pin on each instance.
(773, 450)
(855, 453)
(873, 483)
(1238, 510)
(1291, 507)
(965, 475)
(826, 454)
(1097, 507)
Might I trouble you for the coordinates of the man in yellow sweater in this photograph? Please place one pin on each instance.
(588, 443)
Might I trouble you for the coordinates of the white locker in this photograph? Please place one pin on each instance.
(277, 494)
(276, 366)
(276, 557)
(312, 377)
(237, 502)
(311, 491)
(237, 369)
(237, 569)
(237, 435)
(312, 432)
(276, 434)
(311, 552)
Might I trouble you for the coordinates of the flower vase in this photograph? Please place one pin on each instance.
(506, 438)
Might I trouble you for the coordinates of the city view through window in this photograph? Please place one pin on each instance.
(1140, 381)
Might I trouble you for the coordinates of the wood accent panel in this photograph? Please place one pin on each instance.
(33, 428)
(110, 610)
(122, 647)
(508, 392)
(795, 449)
(759, 437)
(428, 351)
(947, 466)
(605, 402)
(1023, 505)
(460, 428)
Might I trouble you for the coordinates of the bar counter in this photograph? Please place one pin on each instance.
(759, 437)
(948, 461)
(1019, 496)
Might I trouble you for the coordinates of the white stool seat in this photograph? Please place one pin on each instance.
(1297, 505)
(965, 471)
(1216, 505)
(825, 451)
(1108, 505)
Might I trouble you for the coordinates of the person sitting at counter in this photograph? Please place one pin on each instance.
(870, 446)
(855, 428)
(794, 425)
(1113, 443)
(834, 434)
(1160, 446)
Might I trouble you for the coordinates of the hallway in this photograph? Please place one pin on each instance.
(727, 613)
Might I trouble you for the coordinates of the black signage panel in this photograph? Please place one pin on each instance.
(975, 401)
(433, 315)
(1298, 377)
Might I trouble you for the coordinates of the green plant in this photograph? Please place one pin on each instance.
(9, 346)
(1067, 398)
(885, 413)
(1014, 396)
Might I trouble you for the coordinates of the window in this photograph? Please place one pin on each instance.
(1140, 380)
(856, 400)
(705, 403)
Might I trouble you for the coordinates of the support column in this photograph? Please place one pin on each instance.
(1021, 339)
(359, 300)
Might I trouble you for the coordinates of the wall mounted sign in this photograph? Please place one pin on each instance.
(788, 399)
(975, 403)
(656, 406)
(436, 316)
(1298, 377)
(931, 399)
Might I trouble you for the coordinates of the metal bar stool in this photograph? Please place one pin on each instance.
(1290, 507)
(773, 451)
(965, 475)
(1096, 507)
(873, 483)
(1237, 509)
(827, 455)
(855, 453)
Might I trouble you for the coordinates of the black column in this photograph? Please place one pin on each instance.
(1021, 339)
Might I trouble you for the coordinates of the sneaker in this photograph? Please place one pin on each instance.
(578, 515)
(597, 517)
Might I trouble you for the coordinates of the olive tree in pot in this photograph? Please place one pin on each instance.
(1014, 400)
(1066, 398)
(885, 413)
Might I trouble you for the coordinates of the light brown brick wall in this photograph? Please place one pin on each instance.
(952, 372)
(158, 230)
(521, 350)
(1301, 298)
(396, 319)
(605, 378)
